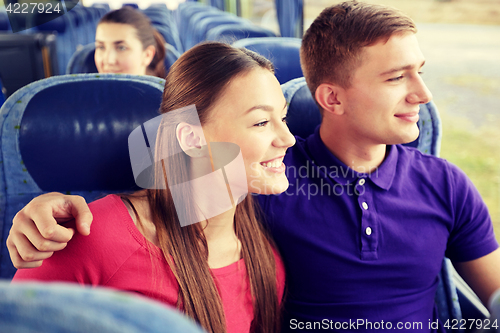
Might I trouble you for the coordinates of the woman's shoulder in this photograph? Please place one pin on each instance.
(112, 229)
(110, 213)
(107, 206)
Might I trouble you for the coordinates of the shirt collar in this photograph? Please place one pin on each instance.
(342, 174)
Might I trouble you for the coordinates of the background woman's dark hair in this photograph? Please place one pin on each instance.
(200, 77)
(146, 33)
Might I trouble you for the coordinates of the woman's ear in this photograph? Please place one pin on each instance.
(329, 98)
(191, 139)
(148, 55)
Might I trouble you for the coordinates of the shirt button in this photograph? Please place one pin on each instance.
(368, 231)
(361, 181)
(365, 205)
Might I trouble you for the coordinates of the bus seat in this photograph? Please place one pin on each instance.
(219, 4)
(232, 32)
(303, 114)
(184, 13)
(283, 52)
(4, 22)
(103, 6)
(2, 94)
(82, 61)
(171, 57)
(25, 58)
(207, 23)
(170, 35)
(79, 25)
(188, 38)
(63, 307)
(66, 40)
(454, 299)
(69, 134)
(163, 19)
(131, 4)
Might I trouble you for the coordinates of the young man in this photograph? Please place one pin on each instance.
(365, 252)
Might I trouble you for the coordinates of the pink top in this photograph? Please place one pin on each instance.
(117, 255)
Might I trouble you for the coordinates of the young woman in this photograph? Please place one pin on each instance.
(126, 42)
(223, 271)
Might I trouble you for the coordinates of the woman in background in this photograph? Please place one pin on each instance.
(127, 43)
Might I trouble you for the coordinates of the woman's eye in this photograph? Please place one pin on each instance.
(122, 48)
(99, 47)
(262, 123)
(284, 119)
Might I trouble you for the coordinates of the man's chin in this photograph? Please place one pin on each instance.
(404, 139)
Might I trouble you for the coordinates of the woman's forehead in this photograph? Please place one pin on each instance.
(256, 87)
(115, 31)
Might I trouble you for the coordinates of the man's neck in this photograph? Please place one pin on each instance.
(357, 155)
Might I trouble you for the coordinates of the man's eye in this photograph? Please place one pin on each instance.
(284, 119)
(122, 48)
(396, 78)
(99, 47)
(262, 123)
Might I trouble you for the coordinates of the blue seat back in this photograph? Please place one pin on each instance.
(70, 134)
(82, 61)
(219, 4)
(4, 22)
(103, 6)
(184, 13)
(170, 36)
(131, 4)
(64, 307)
(188, 37)
(207, 23)
(163, 20)
(230, 33)
(283, 52)
(66, 40)
(172, 56)
(2, 94)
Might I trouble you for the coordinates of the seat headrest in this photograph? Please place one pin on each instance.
(82, 61)
(74, 136)
(283, 52)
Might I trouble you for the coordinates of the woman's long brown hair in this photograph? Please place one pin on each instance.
(200, 77)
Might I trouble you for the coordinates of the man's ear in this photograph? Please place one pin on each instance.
(149, 54)
(329, 98)
(191, 139)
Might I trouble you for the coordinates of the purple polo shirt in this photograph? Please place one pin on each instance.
(367, 248)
